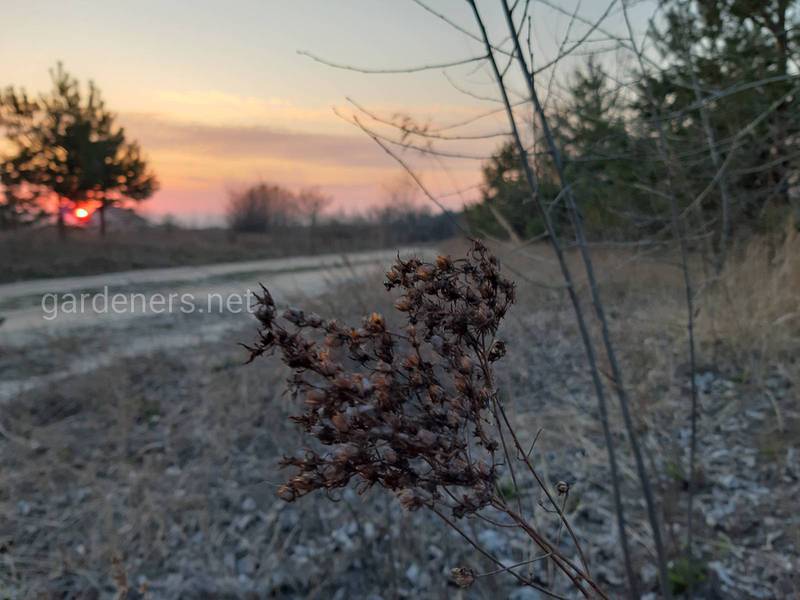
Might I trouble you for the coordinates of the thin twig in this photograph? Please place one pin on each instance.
(399, 70)
(599, 310)
(567, 275)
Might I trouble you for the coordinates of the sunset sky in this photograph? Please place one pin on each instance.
(218, 95)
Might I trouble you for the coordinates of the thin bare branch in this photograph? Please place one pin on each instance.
(568, 279)
(413, 69)
(600, 314)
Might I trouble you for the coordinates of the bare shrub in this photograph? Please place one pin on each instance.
(415, 411)
(259, 208)
(310, 203)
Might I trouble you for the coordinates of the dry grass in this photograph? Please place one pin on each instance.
(153, 461)
(165, 469)
(748, 317)
(152, 466)
(749, 332)
(753, 309)
(38, 253)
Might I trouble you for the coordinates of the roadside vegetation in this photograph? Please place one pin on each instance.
(39, 253)
(588, 389)
(163, 472)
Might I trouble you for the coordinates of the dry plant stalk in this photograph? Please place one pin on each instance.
(753, 306)
(413, 411)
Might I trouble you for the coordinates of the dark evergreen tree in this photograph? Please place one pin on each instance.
(608, 167)
(738, 54)
(506, 208)
(68, 144)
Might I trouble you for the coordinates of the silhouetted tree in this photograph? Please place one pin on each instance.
(68, 144)
(260, 208)
(19, 208)
(310, 203)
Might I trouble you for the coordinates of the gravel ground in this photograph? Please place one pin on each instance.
(155, 477)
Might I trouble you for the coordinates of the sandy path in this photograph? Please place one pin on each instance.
(36, 351)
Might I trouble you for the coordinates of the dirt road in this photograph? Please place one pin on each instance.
(55, 328)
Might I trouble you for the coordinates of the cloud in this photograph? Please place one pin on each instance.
(198, 163)
(214, 107)
(239, 142)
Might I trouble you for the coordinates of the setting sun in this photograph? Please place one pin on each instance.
(81, 213)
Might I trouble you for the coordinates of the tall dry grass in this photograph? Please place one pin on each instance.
(748, 316)
(752, 311)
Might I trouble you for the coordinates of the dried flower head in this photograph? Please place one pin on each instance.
(463, 577)
(407, 410)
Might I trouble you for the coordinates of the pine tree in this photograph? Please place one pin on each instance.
(739, 52)
(606, 164)
(69, 145)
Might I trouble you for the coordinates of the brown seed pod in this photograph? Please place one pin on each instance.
(376, 323)
(286, 493)
(403, 304)
(390, 456)
(463, 577)
(425, 272)
(444, 262)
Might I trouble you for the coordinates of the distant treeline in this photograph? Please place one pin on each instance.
(272, 209)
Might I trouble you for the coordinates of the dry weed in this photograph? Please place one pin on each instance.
(753, 309)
